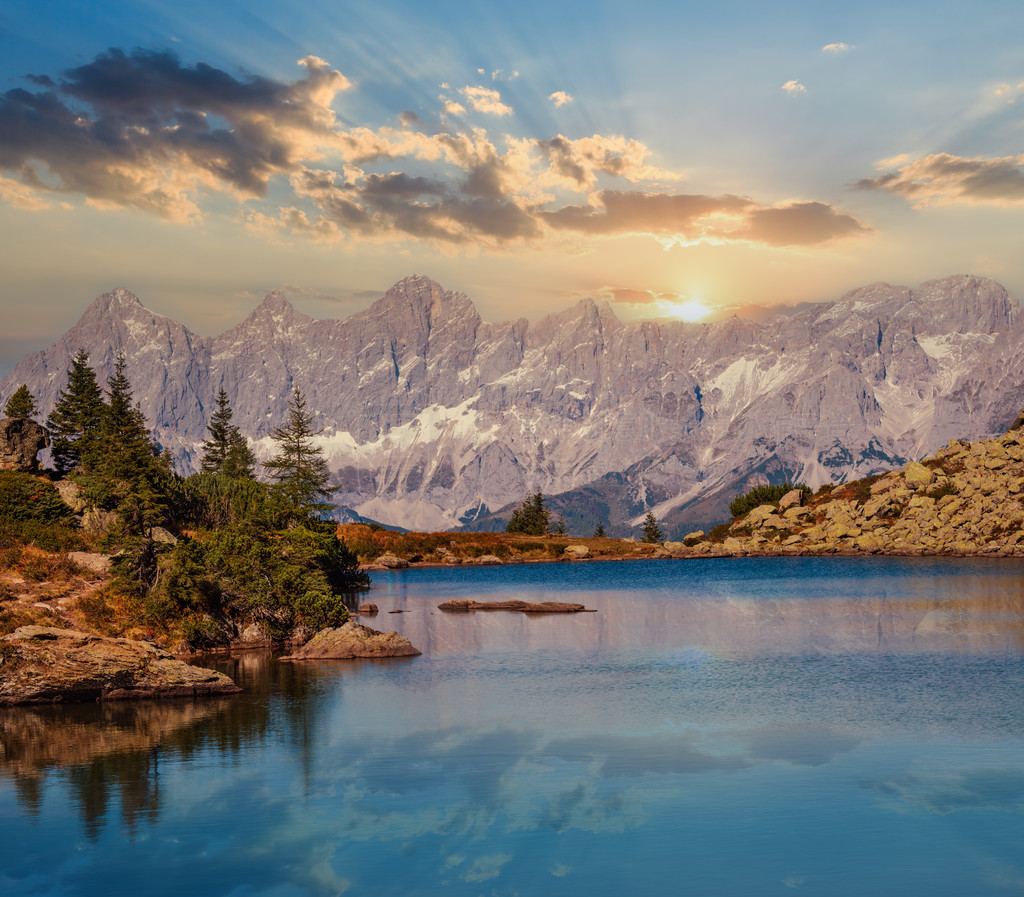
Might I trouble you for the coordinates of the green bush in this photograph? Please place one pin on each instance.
(763, 495)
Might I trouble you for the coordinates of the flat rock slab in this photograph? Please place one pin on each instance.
(525, 607)
(44, 665)
(351, 641)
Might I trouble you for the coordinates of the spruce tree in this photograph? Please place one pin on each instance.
(21, 403)
(77, 417)
(240, 462)
(299, 469)
(531, 518)
(128, 450)
(226, 451)
(599, 530)
(652, 532)
(560, 529)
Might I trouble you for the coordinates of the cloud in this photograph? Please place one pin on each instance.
(21, 196)
(836, 48)
(143, 130)
(794, 87)
(560, 98)
(485, 99)
(944, 179)
(577, 163)
(801, 224)
(694, 218)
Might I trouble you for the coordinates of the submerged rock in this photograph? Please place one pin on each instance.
(43, 665)
(351, 641)
(525, 607)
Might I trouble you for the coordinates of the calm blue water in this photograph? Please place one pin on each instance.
(740, 727)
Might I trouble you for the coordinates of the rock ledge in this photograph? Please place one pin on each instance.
(44, 665)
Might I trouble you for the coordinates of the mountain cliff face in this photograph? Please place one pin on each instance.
(433, 417)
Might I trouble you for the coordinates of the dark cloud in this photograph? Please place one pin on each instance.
(635, 212)
(801, 224)
(697, 217)
(140, 129)
(944, 178)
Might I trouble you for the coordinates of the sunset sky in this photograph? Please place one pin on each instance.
(667, 159)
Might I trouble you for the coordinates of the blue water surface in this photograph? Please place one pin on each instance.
(719, 727)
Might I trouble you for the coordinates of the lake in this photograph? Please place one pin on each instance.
(782, 726)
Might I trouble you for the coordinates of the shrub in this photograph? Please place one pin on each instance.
(763, 495)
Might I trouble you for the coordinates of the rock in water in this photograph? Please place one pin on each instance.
(354, 640)
(525, 607)
(43, 665)
(21, 440)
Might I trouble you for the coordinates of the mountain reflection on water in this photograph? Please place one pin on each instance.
(719, 728)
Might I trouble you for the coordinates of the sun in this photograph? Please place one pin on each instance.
(686, 309)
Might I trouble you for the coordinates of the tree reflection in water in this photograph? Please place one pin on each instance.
(113, 751)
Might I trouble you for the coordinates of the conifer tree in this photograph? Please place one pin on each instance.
(76, 420)
(652, 532)
(560, 529)
(128, 450)
(21, 403)
(599, 530)
(240, 462)
(531, 517)
(226, 451)
(299, 469)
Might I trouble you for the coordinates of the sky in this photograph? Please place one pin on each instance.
(685, 160)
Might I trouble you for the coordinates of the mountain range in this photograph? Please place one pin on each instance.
(433, 418)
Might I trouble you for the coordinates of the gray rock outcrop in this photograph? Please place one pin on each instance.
(21, 441)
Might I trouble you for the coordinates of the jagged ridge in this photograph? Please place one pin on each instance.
(433, 417)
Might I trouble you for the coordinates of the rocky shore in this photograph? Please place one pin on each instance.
(46, 665)
(966, 499)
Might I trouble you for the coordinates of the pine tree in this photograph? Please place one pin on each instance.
(129, 458)
(299, 469)
(226, 451)
(559, 529)
(599, 530)
(531, 518)
(128, 450)
(239, 462)
(21, 403)
(652, 532)
(76, 420)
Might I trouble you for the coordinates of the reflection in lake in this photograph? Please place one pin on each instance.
(722, 728)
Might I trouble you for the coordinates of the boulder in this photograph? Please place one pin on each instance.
(758, 515)
(368, 610)
(90, 560)
(577, 551)
(792, 499)
(98, 521)
(71, 494)
(917, 475)
(489, 560)
(392, 562)
(21, 441)
(353, 640)
(166, 537)
(44, 665)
